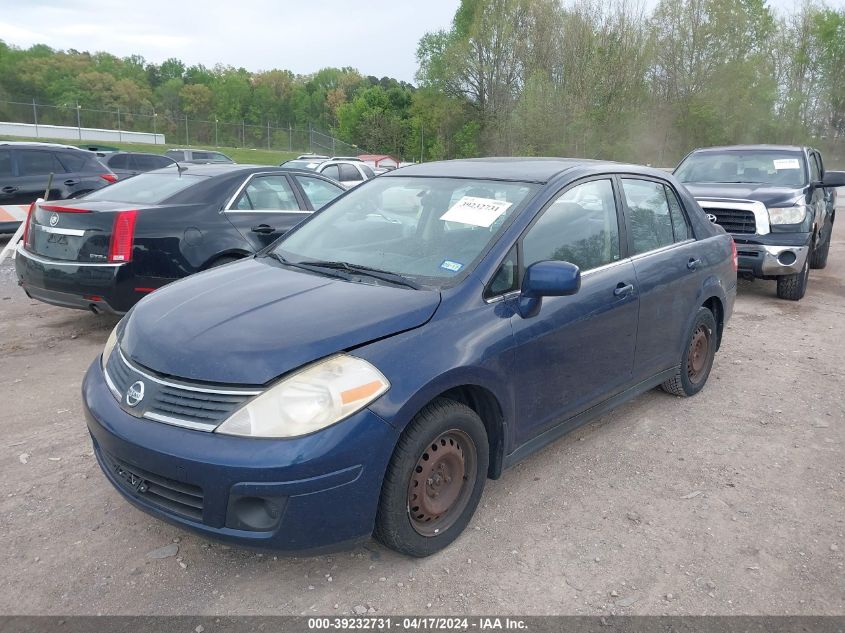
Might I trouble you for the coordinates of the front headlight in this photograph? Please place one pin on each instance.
(787, 215)
(110, 345)
(312, 399)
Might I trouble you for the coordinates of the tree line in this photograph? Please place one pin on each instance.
(526, 77)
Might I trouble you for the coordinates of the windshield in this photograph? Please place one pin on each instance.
(771, 167)
(150, 188)
(430, 230)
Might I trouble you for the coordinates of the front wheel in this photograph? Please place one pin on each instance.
(697, 359)
(434, 480)
(820, 253)
(794, 287)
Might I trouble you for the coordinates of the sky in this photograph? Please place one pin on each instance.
(378, 37)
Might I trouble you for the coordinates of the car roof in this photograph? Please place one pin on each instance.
(523, 169)
(740, 148)
(217, 169)
(39, 145)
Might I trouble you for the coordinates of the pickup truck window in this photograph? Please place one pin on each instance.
(772, 167)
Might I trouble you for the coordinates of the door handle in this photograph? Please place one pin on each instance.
(693, 263)
(622, 289)
(263, 228)
(71, 182)
(10, 189)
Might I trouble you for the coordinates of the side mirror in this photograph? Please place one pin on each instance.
(547, 279)
(833, 179)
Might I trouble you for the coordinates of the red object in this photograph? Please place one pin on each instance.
(144, 289)
(26, 226)
(122, 237)
(58, 209)
(92, 297)
(109, 177)
(734, 256)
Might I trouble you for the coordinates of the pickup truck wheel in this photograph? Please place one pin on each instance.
(793, 287)
(697, 359)
(819, 255)
(434, 480)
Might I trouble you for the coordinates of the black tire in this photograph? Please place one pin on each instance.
(406, 528)
(794, 287)
(225, 259)
(818, 260)
(696, 361)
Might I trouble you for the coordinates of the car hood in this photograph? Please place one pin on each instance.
(252, 321)
(767, 194)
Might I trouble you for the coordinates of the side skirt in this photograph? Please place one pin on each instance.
(556, 432)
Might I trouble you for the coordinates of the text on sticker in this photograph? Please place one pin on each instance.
(476, 211)
(786, 163)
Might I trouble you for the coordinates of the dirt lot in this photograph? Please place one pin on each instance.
(731, 502)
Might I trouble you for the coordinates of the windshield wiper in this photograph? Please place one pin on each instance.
(375, 273)
(320, 270)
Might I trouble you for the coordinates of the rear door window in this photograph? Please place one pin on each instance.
(318, 191)
(120, 161)
(680, 224)
(331, 171)
(38, 163)
(267, 193)
(649, 217)
(75, 162)
(5, 163)
(348, 172)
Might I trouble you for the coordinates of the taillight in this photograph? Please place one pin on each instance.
(109, 177)
(122, 236)
(734, 256)
(26, 226)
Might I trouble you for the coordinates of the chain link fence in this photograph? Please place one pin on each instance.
(179, 129)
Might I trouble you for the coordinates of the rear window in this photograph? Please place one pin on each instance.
(76, 161)
(152, 188)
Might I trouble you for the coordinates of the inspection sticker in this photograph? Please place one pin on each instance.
(451, 266)
(786, 163)
(476, 211)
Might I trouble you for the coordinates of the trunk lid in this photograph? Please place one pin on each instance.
(73, 230)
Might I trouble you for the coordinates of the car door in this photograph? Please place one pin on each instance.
(669, 266)
(578, 350)
(318, 191)
(34, 169)
(264, 208)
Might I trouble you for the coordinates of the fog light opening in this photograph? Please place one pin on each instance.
(787, 258)
(257, 514)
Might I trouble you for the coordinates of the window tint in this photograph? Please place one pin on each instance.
(146, 188)
(5, 163)
(815, 170)
(175, 154)
(266, 193)
(579, 227)
(505, 279)
(318, 191)
(331, 171)
(651, 225)
(119, 161)
(348, 172)
(144, 162)
(75, 162)
(38, 163)
(680, 226)
(370, 173)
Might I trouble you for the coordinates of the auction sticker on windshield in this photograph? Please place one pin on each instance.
(787, 163)
(476, 211)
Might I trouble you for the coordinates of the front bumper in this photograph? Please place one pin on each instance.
(322, 490)
(109, 288)
(772, 255)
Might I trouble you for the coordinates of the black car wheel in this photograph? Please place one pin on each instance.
(794, 287)
(434, 480)
(697, 359)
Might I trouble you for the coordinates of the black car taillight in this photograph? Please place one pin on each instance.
(122, 237)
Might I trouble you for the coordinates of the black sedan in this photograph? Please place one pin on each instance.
(105, 251)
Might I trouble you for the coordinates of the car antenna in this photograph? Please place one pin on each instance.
(179, 167)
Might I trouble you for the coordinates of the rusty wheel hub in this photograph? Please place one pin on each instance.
(699, 351)
(441, 482)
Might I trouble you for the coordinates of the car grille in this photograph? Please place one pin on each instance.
(193, 405)
(735, 220)
(174, 496)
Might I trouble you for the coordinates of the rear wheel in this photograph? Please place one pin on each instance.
(434, 480)
(794, 287)
(697, 359)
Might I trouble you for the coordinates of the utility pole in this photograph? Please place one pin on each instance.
(290, 137)
(243, 133)
(78, 119)
(35, 117)
(155, 135)
(119, 134)
(216, 144)
(186, 129)
(422, 146)
(268, 135)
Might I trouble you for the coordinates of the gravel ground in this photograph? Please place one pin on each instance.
(730, 502)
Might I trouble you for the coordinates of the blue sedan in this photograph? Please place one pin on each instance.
(366, 373)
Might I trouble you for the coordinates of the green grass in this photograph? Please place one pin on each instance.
(237, 154)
